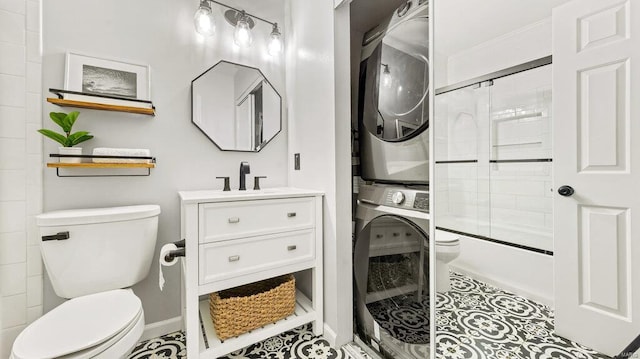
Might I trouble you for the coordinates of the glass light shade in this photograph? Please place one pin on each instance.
(387, 80)
(203, 20)
(275, 42)
(242, 35)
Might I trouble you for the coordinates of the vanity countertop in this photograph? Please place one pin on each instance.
(235, 195)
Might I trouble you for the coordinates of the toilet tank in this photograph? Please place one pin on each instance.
(107, 248)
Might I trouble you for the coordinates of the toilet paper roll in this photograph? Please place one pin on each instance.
(163, 263)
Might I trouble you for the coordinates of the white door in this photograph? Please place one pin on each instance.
(596, 100)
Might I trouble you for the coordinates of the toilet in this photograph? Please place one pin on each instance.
(92, 256)
(447, 249)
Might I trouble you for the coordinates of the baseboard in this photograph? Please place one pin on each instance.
(504, 285)
(160, 328)
(330, 335)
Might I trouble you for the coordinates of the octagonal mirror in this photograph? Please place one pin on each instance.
(236, 107)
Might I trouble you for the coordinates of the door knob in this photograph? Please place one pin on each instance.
(566, 191)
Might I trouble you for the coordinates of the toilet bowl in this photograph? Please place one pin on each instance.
(447, 249)
(90, 255)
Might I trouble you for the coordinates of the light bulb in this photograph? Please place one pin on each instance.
(203, 19)
(275, 41)
(242, 35)
(386, 76)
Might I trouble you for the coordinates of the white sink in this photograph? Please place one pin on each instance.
(216, 195)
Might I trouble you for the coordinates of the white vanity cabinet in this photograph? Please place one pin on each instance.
(239, 237)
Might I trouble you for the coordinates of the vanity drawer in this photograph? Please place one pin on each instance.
(228, 220)
(226, 259)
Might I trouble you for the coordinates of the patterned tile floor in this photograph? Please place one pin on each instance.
(476, 320)
(299, 343)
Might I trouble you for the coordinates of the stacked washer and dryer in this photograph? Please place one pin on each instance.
(391, 249)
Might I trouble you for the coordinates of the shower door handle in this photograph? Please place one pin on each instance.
(566, 191)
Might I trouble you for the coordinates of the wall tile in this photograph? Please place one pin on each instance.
(13, 185)
(12, 61)
(33, 52)
(34, 170)
(34, 291)
(13, 248)
(34, 200)
(13, 279)
(14, 311)
(34, 108)
(12, 216)
(33, 232)
(16, 6)
(33, 16)
(34, 313)
(34, 77)
(34, 261)
(12, 28)
(12, 89)
(7, 336)
(12, 122)
(33, 142)
(535, 203)
(12, 154)
(527, 188)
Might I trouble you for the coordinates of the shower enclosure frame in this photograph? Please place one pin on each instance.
(476, 83)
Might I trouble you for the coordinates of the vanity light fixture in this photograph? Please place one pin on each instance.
(242, 35)
(275, 41)
(203, 19)
(386, 76)
(243, 23)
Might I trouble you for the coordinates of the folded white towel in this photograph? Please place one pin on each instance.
(136, 152)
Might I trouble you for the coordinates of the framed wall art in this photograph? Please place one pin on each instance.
(93, 75)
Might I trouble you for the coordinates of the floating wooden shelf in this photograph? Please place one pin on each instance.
(150, 162)
(100, 165)
(100, 106)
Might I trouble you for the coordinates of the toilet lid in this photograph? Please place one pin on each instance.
(78, 324)
(447, 238)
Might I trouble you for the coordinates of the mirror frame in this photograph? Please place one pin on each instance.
(265, 79)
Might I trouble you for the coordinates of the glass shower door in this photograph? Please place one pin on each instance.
(520, 161)
(462, 170)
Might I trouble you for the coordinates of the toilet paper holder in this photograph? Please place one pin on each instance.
(180, 252)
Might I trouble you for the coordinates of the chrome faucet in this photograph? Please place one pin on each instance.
(244, 169)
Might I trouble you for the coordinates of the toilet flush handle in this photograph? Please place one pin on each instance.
(60, 236)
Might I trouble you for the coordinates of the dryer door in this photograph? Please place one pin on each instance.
(393, 108)
(395, 83)
(391, 274)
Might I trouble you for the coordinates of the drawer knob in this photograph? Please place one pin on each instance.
(234, 220)
(291, 248)
(234, 258)
(396, 234)
(379, 236)
(291, 214)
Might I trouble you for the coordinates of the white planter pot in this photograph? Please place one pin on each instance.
(70, 151)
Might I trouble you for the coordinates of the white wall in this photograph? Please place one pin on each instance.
(319, 136)
(159, 33)
(20, 168)
(528, 43)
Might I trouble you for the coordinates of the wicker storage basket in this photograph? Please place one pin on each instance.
(238, 310)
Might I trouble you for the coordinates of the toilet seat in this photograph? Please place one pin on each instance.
(448, 243)
(82, 327)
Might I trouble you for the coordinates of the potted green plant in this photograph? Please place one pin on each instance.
(68, 140)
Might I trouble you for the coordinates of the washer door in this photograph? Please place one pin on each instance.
(391, 277)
